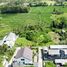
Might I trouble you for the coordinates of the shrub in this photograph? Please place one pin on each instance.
(38, 4)
(14, 9)
(55, 11)
(59, 23)
(59, 4)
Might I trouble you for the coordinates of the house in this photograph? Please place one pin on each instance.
(9, 40)
(56, 53)
(58, 46)
(53, 52)
(61, 61)
(23, 57)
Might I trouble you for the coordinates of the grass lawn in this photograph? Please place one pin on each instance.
(50, 64)
(23, 42)
(36, 15)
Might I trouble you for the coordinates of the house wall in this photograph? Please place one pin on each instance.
(19, 62)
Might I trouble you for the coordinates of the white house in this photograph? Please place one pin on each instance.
(9, 40)
(23, 57)
(61, 61)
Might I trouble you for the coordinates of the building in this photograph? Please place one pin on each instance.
(56, 53)
(9, 40)
(58, 46)
(23, 57)
(61, 61)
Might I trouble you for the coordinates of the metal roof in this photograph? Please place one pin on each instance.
(11, 37)
(24, 52)
(54, 52)
(58, 46)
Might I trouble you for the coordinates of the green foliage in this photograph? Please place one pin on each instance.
(44, 39)
(59, 23)
(23, 42)
(3, 49)
(36, 4)
(65, 65)
(14, 8)
(58, 12)
(50, 64)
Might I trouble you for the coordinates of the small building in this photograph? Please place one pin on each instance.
(61, 61)
(9, 40)
(23, 57)
(58, 46)
(53, 52)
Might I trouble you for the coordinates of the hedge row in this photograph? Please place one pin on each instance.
(36, 4)
(14, 9)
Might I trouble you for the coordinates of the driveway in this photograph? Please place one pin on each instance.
(40, 64)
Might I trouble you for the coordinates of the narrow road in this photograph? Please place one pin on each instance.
(17, 49)
(40, 64)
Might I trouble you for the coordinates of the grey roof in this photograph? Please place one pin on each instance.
(11, 37)
(58, 46)
(24, 52)
(54, 52)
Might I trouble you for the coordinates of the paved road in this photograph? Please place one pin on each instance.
(40, 64)
(17, 49)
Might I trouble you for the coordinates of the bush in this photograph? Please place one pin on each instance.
(59, 23)
(38, 4)
(55, 11)
(59, 4)
(14, 9)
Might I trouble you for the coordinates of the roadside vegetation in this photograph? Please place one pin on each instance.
(50, 64)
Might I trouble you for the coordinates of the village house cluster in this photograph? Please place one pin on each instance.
(26, 56)
(55, 53)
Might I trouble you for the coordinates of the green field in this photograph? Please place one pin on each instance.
(36, 15)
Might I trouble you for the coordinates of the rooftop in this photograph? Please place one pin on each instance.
(24, 52)
(58, 46)
(54, 52)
